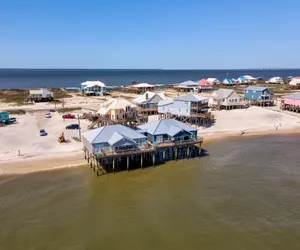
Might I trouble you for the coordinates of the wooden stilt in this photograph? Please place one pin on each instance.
(141, 161)
(153, 159)
(114, 165)
(188, 151)
(127, 163)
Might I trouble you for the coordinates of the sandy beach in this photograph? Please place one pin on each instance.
(39, 153)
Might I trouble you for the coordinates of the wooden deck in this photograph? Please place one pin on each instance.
(147, 149)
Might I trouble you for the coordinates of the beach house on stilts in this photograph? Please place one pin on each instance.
(260, 96)
(226, 99)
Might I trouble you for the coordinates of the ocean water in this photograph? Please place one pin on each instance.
(38, 78)
(244, 195)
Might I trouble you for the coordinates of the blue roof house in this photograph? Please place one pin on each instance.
(166, 130)
(112, 138)
(183, 105)
(255, 93)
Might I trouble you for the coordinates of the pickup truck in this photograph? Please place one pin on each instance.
(68, 116)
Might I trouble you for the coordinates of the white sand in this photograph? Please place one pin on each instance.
(253, 119)
(24, 136)
(40, 153)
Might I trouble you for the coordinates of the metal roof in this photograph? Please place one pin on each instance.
(107, 133)
(165, 102)
(223, 93)
(93, 83)
(174, 130)
(146, 97)
(256, 88)
(191, 98)
(293, 96)
(188, 83)
(162, 127)
(116, 137)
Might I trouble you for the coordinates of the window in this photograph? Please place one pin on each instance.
(159, 138)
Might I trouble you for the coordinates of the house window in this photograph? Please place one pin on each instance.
(159, 138)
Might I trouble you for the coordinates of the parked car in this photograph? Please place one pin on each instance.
(52, 110)
(48, 115)
(43, 132)
(68, 116)
(73, 126)
(12, 119)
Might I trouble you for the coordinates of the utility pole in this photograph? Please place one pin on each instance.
(79, 130)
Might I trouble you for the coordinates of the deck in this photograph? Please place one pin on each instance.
(147, 149)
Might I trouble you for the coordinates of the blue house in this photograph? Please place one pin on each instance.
(112, 138)
(167, 130)
(254, 93)
(4, 117)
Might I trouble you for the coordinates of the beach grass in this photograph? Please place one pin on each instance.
(68, 110)
(16, 96)
(17, 112)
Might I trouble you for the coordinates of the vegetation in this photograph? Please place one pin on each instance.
(60, 93)
(16, 96)
(17, 112)
(68, 110)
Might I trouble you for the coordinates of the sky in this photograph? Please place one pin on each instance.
(150, 34)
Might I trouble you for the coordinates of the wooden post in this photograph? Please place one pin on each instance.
(188, 151)
(127, 163)
(200, 149)
(176, 153)
(141, 161)
(85, 153)
(114, 165)
(153, 158)
(164, 154)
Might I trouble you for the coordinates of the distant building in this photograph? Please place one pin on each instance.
(112, 138)
(167, 130)
(258, 95)
(93, 88)
(229, 81)
(213, 81)
(187, 105)
(291, 102)
(246, 79)
(4, 117)
(295, 81)
(143, 87)
(203, 84)
(275, 80)
(226, 99)
(116, 108)
(40, 95)
(148, 102)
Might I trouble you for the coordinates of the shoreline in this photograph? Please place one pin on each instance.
(53, 161)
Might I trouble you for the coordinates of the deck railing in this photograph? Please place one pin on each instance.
(148, 148)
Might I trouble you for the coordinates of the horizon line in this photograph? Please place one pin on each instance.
(262, 68)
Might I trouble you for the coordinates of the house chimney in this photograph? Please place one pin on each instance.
(147, 96)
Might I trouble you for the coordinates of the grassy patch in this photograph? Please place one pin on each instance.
(60, 93)
(17, 112)
(68, 110)
(16, 96)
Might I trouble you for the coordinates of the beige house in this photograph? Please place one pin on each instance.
(116, 108)
(226, 99)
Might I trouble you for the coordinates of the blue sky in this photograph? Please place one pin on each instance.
(148, 34)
